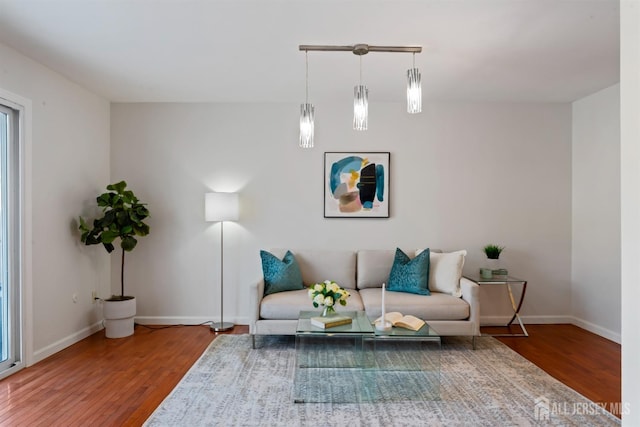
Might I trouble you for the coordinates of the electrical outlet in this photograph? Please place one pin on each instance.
(94, 297)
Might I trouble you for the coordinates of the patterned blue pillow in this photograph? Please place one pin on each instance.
(279, 275)
(410, 275)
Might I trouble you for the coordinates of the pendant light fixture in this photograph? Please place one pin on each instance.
(360, 91)
(306, 112)
(360, 103)
(414, 89)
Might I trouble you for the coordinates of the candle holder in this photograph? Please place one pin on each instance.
(384, 325)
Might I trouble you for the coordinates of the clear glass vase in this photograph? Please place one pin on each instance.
(328, 310)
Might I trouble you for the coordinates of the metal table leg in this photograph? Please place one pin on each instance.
(516, 310)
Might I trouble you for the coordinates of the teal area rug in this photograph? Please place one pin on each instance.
(235, 385)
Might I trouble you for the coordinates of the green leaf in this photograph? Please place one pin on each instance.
(123, 218)
(108, 219)
(109, 247)
(109, 236)
(128, 243)
(142, 212)
(104, 200)
(118, 187)
(141, 229)
(129, 197)
(92, 237)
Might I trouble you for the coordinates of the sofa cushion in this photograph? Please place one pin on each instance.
(437, 306)
(319, 265)
(374, 266)
(410, 275)
(279, 275)
(288, 305)
(446, 271)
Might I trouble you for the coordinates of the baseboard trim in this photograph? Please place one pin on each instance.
(65, 342)
(540, 320)
(547, 320)
(598, 330)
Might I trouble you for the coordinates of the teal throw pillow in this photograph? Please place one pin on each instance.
(410, 275)
(279, 275)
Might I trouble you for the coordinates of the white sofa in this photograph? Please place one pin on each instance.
(362, 273)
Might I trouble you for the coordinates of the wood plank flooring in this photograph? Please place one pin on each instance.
(586, 362)
(104, 382)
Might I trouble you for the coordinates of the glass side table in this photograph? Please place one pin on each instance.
(507, 283)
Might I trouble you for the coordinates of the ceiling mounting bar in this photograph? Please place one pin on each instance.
(359, 49)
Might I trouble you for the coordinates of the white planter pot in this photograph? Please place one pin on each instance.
(492, 264)
(119, 318)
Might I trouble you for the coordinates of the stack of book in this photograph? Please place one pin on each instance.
(330, 321)
(500, 273)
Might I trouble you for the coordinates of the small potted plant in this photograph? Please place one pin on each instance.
(493, 251)
(122, 218)
(493, 270)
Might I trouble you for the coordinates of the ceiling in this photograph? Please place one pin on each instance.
(247, 50)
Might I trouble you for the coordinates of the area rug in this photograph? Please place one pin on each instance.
(235, 385)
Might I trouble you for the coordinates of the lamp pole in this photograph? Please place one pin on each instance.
(221, 207)
(222, 326)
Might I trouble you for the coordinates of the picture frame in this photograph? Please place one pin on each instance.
(356, 184)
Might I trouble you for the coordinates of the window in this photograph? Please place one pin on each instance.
(10, 240)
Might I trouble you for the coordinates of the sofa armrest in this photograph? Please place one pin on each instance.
(471, 294)
(257, 292)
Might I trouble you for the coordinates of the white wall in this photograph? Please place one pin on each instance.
(462, 175)
(69, 165)
(595, 262)
(630, 196)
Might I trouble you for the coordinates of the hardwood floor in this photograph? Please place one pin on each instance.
(104, 382)
(586, 362)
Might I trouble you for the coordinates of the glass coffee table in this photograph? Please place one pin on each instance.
(357, 363)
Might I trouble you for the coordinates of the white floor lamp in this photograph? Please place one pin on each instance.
(221, 207)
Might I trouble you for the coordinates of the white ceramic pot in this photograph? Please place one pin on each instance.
(492, 264)
(119, 318)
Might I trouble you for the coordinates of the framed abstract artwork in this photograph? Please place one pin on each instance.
(356, 185)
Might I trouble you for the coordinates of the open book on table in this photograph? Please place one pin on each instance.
(403, 321)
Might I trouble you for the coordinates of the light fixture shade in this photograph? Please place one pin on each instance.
(360, 107)
(307, 117)
(221, 207)
(414, 91)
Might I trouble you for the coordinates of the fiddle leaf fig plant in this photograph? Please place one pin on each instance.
(123, 218)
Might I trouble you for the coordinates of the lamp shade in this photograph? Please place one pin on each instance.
(221, 207)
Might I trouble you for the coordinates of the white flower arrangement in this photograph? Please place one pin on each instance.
(328, 294)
